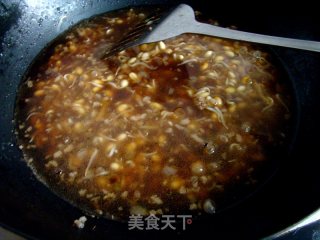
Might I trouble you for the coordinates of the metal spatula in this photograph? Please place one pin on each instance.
(181, 19)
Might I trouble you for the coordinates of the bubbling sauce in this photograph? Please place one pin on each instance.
(162, 128)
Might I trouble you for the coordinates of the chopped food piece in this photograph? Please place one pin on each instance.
(80, 223)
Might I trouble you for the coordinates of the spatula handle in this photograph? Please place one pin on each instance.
(207, 29)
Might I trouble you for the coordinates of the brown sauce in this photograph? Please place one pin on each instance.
(162, 128)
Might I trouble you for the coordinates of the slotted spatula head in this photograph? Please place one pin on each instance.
(162, 24)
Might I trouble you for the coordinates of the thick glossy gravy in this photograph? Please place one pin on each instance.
(162, 128)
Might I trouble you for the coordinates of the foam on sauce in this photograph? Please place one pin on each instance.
(162, 128)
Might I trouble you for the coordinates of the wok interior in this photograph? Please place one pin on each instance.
(89, 127)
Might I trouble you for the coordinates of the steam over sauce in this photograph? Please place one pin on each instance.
(161, 128)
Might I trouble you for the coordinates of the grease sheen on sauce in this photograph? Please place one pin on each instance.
(164, 128)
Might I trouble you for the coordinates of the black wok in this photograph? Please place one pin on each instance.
(31, 209)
